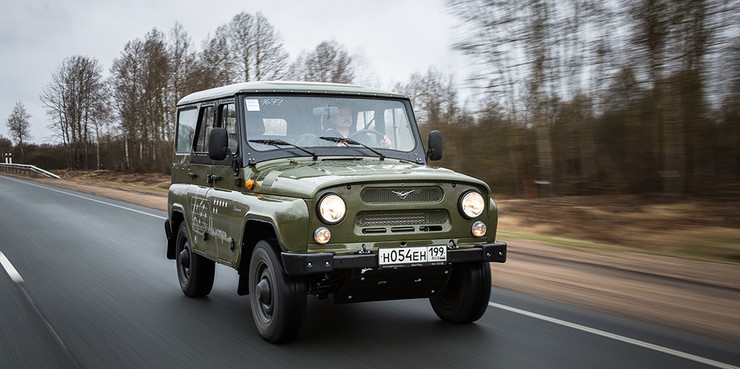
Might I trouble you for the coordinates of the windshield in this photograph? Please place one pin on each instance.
(303, 121)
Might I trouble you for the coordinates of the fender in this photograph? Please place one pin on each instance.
(284, 218)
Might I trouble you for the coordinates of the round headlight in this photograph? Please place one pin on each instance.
(472, 204)
(332, 208)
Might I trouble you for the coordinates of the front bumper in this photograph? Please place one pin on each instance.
(304, 264)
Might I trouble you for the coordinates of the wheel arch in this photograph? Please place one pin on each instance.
(255, 230)
(176, 218)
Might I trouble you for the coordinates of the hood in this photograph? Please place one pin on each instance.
(307, 178)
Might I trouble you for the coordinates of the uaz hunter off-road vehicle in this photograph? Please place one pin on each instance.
(324, 189)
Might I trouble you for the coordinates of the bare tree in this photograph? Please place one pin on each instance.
(182, 62)
(19, 125)
(242, 44)
(101, 115)
(434, 98)
(55, 98)
(257, 47)
(140, 77)
(73, 100)
(156, 99)
(271, 60)
(214, 63)
(329, 62)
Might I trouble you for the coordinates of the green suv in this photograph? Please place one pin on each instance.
(324, 189)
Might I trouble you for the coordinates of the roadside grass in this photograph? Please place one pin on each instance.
(712, 248)
(694, 228)
(150, 182)
(582, 245)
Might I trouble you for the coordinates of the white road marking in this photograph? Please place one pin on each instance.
(16, 277)
(87, 198)
(10, 269)
(617, 337)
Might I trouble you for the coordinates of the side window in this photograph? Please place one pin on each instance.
(227, 119)
(204, 129)
(186, 120)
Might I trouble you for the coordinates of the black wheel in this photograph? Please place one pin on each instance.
(466, 296)
(194, 272)
(278, 300)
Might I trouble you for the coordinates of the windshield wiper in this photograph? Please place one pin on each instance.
(352, 142)
(278, 143)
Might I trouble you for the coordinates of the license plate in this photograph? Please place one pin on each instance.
(412, 256)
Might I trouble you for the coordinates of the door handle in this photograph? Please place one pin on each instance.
(213, 178)
(193, 175)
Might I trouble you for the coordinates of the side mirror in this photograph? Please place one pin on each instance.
(435, 145)
(218, 143)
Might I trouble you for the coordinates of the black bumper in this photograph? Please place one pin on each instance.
(305, 264)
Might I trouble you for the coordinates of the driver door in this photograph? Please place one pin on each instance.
(227, 215)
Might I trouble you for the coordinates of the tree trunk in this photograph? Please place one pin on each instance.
(128, 159)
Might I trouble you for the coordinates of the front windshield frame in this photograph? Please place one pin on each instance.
(255, 152)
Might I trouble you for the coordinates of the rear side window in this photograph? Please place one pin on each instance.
(186, 121)
(206, 125)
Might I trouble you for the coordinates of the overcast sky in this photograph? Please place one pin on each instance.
(394, 38)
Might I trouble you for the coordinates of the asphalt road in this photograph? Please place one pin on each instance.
(86, 285)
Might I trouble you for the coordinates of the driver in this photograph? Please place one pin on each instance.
(342, 124)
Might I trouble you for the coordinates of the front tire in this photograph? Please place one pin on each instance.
(466, 296)
(194, 272)
(278, 300)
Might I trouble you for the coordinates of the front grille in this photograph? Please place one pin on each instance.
(405, 217)
(374, 195)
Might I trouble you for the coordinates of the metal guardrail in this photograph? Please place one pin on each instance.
(26, 169)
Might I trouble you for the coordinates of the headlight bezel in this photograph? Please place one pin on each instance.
(462, 204)
(319, 208)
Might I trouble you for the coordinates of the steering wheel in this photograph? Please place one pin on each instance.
(378, 134)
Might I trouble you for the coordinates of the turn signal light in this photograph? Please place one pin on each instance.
(321, 235)
(478, 229)
(251, 184)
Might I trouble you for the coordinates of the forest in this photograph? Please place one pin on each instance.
(570, 97)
